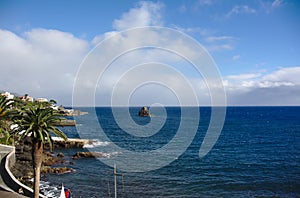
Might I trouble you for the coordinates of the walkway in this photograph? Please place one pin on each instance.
(6, 194)
(5, 191)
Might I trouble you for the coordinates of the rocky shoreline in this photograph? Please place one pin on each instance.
(53, 162)
(23, 170)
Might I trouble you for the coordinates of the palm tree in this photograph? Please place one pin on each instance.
(37, 121)
(5, 105)
(5, 115)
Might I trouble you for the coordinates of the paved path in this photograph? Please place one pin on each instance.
(4, 189)
(6, 194)
(3, 152)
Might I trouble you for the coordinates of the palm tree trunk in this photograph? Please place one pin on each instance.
(37, 152)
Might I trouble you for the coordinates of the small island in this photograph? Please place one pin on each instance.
(144, 112)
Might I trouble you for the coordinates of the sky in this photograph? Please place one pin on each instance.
(255, 46)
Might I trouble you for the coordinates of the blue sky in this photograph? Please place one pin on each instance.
(255, 44)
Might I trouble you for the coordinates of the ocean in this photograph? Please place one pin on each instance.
(256, 155)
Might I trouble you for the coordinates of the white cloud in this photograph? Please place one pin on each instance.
(144, 14)
(277, 3)
(281, 87)
(44, 63)
(97, 39)
(289, 74)
(241, 9)
(281, 77)
(219, 43)
(197, 30)
(244, 76)
(219, 38)
(40, 62)
(219, 47)
(269, 6)
(209, 40)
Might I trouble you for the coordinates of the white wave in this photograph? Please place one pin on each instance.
(109, 155)
(96, 143)
(49, 190)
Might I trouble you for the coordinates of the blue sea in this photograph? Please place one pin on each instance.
(256, 155)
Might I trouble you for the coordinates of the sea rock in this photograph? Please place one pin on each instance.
(144, 112)
(55, 170)
(66, 144)
(23, 170)
(49, 159)
(88, 154)
(60, 154)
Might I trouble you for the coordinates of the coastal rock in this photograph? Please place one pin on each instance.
(66, 144)
(55, 170)
(60, 155)
(70, 112)
(49, 159)
(65, 122)
(144, 112)
(23, 170)
(88, 154)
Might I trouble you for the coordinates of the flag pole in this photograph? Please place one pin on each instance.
(115, 179)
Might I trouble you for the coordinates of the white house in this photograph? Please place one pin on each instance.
(42, 99)
(8, 95)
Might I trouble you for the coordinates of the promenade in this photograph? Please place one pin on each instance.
(5, 191)
(6, 194)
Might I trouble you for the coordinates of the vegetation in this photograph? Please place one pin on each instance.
(36, 120)
(5, 115)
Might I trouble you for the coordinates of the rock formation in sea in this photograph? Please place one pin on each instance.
(88, 154)
(144, 112)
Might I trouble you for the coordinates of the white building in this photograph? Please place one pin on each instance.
(8, 95)
(42, 99)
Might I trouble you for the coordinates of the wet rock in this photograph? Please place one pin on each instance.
(55, 170)
(66, 144)
(23, 170)
(144, 112)
(60, 154)
(49, 159)
(87, 154)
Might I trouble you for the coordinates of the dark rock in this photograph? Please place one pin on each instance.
(50, 160)
(144, 112)
(55, 170)
(87, 155)
(23, 170)
(60, 154)
(65, 144)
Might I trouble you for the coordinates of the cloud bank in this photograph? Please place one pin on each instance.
(280, 87)
(44, 63)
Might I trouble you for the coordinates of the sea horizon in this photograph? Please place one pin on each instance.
(257, 154)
